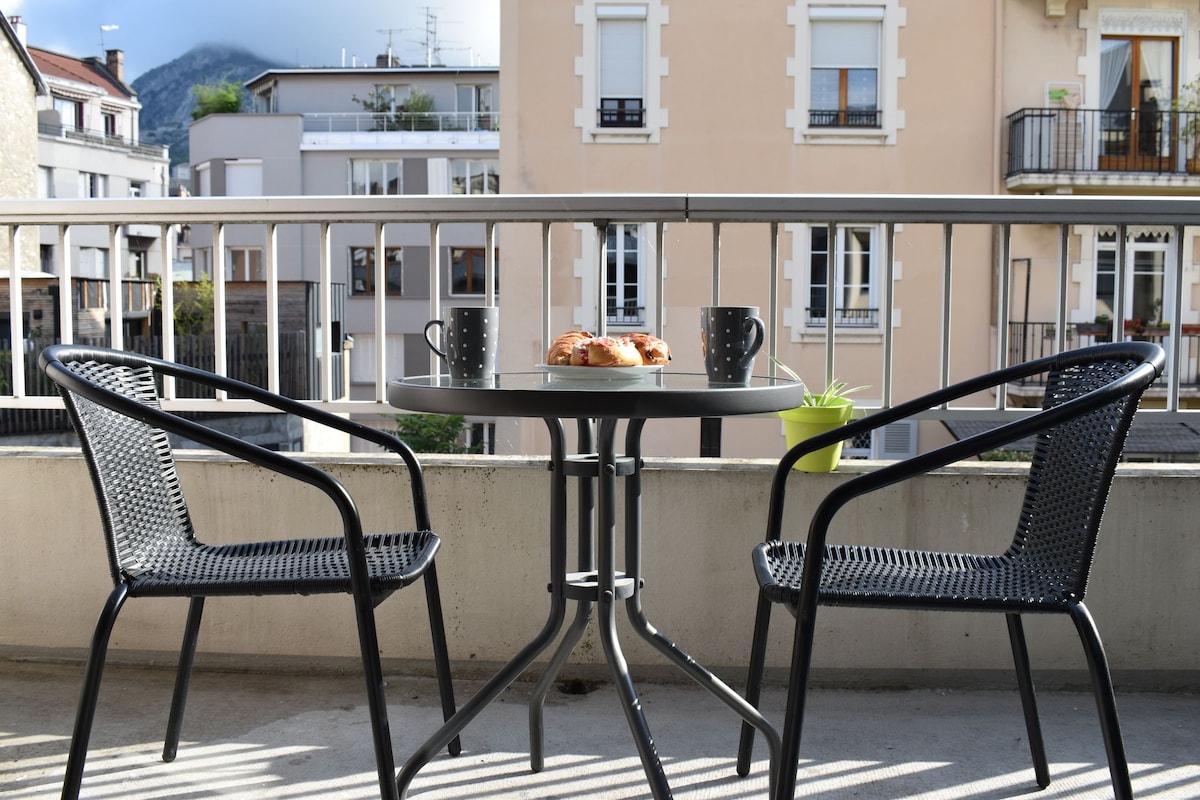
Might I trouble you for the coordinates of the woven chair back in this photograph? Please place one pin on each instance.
(1072, 470)
(132, 468)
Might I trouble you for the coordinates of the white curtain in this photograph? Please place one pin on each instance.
(1115, 58)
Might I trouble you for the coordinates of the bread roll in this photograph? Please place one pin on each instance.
(605, 351)
(559, 353)
(652, 349)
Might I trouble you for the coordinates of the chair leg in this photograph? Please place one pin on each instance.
(183, 677)
(1106, 701)
(441, 653)
(1037, 747)
(368, 643)
(92, 673)
(758, 658)
(793, 720)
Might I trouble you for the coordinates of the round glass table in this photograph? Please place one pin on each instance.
(598, 402)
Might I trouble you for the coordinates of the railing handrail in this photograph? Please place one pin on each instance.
(657, 210)
(848, 208)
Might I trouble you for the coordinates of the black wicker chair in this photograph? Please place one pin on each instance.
(1090, 399)
(112, 400)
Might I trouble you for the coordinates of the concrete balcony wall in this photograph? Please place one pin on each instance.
(701, 519)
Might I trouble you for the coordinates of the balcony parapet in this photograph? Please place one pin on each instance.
(1136, 576)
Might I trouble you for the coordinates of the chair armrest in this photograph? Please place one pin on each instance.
(1029, 425)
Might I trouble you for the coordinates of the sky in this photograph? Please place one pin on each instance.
(309, 33)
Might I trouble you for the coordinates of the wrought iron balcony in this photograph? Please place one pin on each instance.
(1144, 143)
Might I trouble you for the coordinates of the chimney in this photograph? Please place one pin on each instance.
(114, 60)
(18, 27)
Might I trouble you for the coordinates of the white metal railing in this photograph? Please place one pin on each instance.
(373, 121)
(949, 214)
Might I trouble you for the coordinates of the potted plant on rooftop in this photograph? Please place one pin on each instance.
(817, 414)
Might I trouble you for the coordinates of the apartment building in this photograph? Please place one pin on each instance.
(20, 86)
(387, 130)
(88, 146)
(854, 96)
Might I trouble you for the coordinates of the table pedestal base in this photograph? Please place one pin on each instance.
(596, 586)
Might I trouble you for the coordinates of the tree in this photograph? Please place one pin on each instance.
(415, 114)
(224, 97)
(432, 433)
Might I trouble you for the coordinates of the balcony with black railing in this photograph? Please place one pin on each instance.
(844, 317)
(1062, 146)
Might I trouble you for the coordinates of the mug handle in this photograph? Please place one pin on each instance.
(428, 341)
(760, 333)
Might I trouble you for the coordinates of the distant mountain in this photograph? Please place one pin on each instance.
(166, 92)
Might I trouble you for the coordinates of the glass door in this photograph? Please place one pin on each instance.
(1137, 89)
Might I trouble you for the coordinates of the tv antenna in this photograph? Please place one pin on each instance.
(389, 32)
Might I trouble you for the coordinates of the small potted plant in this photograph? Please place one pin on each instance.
(1101, 328)
(817, 414)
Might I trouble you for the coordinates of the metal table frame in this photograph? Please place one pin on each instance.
(597, 583)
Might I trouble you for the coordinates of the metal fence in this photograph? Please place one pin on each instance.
(1093, 140)
(767, 217)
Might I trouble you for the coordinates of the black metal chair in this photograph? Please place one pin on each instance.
(1090, 399)
(112, 399)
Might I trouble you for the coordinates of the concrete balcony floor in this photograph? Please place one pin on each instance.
(287, 736)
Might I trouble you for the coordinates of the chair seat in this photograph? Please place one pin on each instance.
(874, 577)
(291, 566)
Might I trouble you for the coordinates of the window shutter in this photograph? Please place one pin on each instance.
(895, 441)
(844, 43)
(622, 57)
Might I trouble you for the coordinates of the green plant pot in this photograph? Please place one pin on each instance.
(806, 422)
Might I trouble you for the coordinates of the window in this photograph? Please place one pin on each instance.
(362, 270)
(375, 177)
(138, 264)
(391, 97)
(854, 277)
(137, 188)
(468, 267)
(844, 69)
(266, 101)
(70, 112)
(475, 106)
(1137, 87)
(45, 183)
(110, 124)
(1146, 287)
(93, 185)
(622, 68)
(851, 54)
(244, 264)
(481, 438)
(474, 177)
(623, 281)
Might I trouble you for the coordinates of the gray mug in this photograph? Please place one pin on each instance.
(471, 338)
(731, 336)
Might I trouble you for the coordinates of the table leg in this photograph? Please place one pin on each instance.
(606, 612)
(586, 563)
(554, 622)
(637, 616)
(537, 701)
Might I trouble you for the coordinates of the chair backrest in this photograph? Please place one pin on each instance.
(1072, 470)
(131, 463)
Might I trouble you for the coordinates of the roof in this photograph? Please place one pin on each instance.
(1144, 436)
(375, 72)
(90, 71)
(6, 29)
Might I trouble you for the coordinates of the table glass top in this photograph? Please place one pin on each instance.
(650, 392)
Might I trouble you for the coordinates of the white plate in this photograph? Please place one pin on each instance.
(600, 373)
